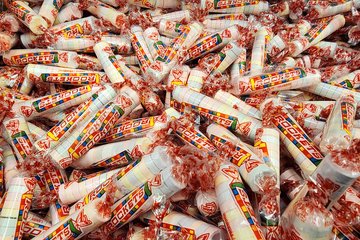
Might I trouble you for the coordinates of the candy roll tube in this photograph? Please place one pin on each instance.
(86, 136)
(206, 202)
(109, 62)
(319, 11)
(73, 119)
(54, 178)
(155, 45)
(186, 224)
(258, 55)
(331, 91)
(52, 103)
(291, 183)
(23, 85)
(177, 16)
(68, 76)
(73, 191)
(133, 127)
(80, 222)
(245, 125)
(237, 104)
(109, 155)
(226, 57)
(34, 226)
(142, 198)
(8, 41)
(120, 44)
(196, 79)
(351, 80)
(161, 66)
(236, 210)
(21, 57)
(179, 75)
(224, 23)
(291, 78)
(15, 207)
(16, 132)
(107, 14)
(170, 29)
(155, 3)
(212, 42)
(89, 63)
(11, 22)
(252, 169)
(313, 127)
(81, 43)
(246, 7)
(36, 131)
(68, 13)
(141, 49)
(296, 141)
(49, 10)
(337, 133)
(9, 161)
(28, 17)
(238, 68)
(316, 34)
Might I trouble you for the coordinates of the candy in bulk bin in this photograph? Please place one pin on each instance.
(180, 120)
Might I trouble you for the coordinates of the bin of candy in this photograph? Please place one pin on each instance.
(171, 119)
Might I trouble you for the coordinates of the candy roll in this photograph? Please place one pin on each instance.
(49, 10)
(21, 57)
(252, 169)
(337, 133)
(224, 23)
(51, 103)
(120, 44)
(291, 182)
(141, 49)
(239, 66)
(86, 136)
(174, 52)
(337, 173)
(155, 45)
(237, 104)
(54, 178)
(178, 76)
(69, 12)
(206, 202)
(89, 63)
(68, 76)
(109, 15)
(258, 55)
(9, 22)
(196, 79)
(351, 80)
(81, 222)
(36, 131)
(109, 62)
(296, 141)
(16, 132)
(316, 34)
(318, 10)
(176, 221)
(67, 125)
(81, 43)
(28, 17)
(73, 191)
(177, 16)
(9, 161)
(155, 3)
(212, 42)
(109, 155)
(8, 41)
(170, 29)
(133, 127)
(244, 125)
(291, 78)
(165, 184)
(331, 91)
(246, 7)
(267, 140)
(34, 226)
(15, 207)
(235, 207)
